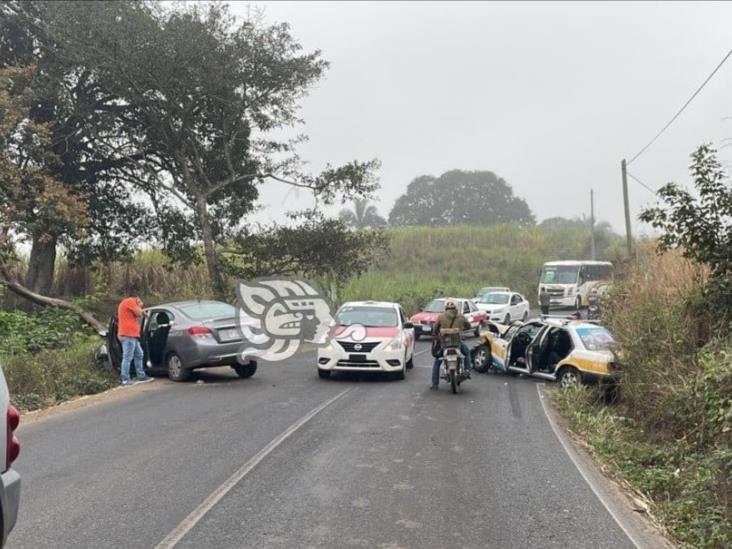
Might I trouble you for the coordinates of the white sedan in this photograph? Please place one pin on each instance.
(369, 336)
(504, 307)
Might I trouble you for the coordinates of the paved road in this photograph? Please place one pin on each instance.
(388, 464)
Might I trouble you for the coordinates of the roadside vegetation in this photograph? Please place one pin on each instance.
(670, 435)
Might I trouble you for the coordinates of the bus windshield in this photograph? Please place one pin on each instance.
(560, 274)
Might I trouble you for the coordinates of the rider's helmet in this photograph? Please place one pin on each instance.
(450, 305)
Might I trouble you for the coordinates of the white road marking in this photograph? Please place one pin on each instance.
(581, 468)
(199, 512)
(421, 352)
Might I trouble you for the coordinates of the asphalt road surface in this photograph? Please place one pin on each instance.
(285, 459)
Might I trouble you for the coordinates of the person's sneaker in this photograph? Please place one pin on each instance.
(146, 379)
(127, 382)
(434, 387)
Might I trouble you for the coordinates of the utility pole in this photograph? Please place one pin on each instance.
(592, 221)
(628, 235)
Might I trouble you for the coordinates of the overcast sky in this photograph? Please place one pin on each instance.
(549, 96)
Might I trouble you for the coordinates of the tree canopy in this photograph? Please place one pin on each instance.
(460, 197)
(362, 216)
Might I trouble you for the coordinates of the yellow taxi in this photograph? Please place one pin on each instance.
(567, 351)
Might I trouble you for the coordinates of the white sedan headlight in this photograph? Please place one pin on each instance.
(395, 344)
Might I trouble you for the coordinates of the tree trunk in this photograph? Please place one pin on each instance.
(42, 263)
(7, 279)
(209, 249)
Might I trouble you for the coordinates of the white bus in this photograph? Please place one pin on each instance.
(570, 282)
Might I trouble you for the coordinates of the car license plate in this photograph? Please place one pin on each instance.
(231, 334)
(426, 328)
(357, 358)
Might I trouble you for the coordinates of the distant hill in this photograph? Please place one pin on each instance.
(457, 260)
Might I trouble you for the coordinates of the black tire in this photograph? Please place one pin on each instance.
(323, 374)
(507, 320)
(410, 362)
(482, 358)
(453, 383)
(175, 368)
(569, 376)
(247, 370)
(526, 315)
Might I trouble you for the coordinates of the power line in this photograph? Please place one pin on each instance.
(640, 182)
(652, 141)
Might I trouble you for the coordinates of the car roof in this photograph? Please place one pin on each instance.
(509, 292)
(179, 304)
(574, 262)
(371, 304)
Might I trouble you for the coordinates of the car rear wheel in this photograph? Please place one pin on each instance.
(569, 377)
(247, 370)
(323, 374)
(507, 320)
(526, 315)
(176, 370)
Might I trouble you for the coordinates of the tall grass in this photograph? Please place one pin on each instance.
(671, 434)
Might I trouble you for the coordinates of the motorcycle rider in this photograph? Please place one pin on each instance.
(593, 304)
(450, 319)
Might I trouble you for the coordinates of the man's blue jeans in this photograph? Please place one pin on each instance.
(467, 363)
(131, 348)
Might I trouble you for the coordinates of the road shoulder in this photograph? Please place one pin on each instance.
(616, 498)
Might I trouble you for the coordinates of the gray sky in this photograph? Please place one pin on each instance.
(549, 96)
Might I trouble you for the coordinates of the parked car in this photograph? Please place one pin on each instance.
(504, 306)
(386, 345)
(178, 338)
(425, 320)
(567, 351)
(10, 485)
(489, 290)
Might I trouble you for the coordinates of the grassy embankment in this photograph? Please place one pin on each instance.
(670, 436)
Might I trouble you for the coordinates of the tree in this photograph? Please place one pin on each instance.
(201, 92)
(363, 215)
(460, 197)
(701, 226)
(316, 247)
(81, 143)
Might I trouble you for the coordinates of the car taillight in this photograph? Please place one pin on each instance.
(199, 331)
(12, 444)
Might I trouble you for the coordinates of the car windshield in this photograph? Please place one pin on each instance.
(595, 338)
(489, 290)
(435, 306)
(560, 274)
(495, 299)
(206, 310)
(371, 317)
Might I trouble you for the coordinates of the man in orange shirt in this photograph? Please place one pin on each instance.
(129, 314)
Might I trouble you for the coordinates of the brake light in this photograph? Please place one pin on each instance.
(199, 331)
(12, 444)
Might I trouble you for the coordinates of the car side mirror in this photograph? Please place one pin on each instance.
(408, 325)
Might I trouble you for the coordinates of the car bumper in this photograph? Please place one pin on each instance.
(199, 354)
(377, 361)
(10, 500)
(567, 301)
(423, 329)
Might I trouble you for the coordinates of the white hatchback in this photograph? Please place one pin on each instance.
(369, 336)
(504, 307)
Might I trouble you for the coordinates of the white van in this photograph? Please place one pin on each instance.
(569, 283)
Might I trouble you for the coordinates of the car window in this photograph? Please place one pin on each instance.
(435, 306)
(371, 317)
(532, 329)
(595, 338)
(402, 316)
(515, 299)
(473, 307)
(496, 299)
(157, 318)
(466, 307)
(204, 311)
(508, 334)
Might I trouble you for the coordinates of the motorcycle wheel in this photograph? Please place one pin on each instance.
(453, 382)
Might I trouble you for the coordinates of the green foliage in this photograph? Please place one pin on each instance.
(54, 375)
(701, 226)
(426, 261)
(460, 198)
(24, 333)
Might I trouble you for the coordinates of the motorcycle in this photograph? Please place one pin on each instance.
(452, 367)
(593, 311)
